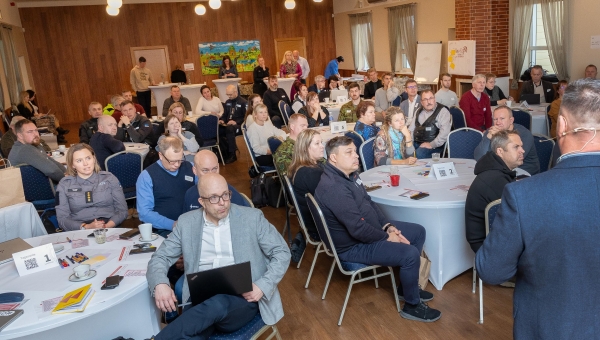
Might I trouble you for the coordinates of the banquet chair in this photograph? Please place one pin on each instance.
(38, 188)
(544, 147)
(209, 130)
(274, 144)
(548, 121)
(288, 206)
(490, 214)
(286, 111)
(523, 118)
(156, 130)
(396, 102)
(458, 117)
(248, 201)
(462, 142)
(252, 330)
(261, 168)
(358, 139)
(127, 167)
(347, 268)
(367, 154)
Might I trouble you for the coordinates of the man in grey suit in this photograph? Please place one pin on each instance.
(546, 231)
(243, 234)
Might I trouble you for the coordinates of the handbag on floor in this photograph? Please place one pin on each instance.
(258, 191)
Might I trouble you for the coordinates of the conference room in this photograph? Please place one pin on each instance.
(73, 53)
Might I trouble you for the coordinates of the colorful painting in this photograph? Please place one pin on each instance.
(244, 54)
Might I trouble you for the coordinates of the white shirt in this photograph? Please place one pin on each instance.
(217, 250)
(205, 107)
(304, 66)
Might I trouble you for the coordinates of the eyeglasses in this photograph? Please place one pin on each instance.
(214, 199)
(412, 87)
(172, 162)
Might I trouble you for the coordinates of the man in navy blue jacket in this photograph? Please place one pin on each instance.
(546, 231)
(362, 234)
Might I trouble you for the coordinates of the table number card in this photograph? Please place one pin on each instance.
(35, 259)
(444, 170)
(338, 127)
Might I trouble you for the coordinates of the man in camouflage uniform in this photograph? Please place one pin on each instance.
(348, 110)
(283, 156)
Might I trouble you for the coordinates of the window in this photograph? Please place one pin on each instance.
(538, 49)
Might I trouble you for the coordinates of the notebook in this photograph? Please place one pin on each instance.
(75, 301)
(8, 316)
(8, 248)
(235, 279)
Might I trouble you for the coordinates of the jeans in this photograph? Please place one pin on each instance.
(145, 99)
(426, 153)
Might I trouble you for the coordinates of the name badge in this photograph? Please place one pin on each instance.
(282, 96)
(548, 90)
(189, 178)
(428, 128)
(74, 190)
(137, 128)
(485, 108)
(358, 181)
(238, 105)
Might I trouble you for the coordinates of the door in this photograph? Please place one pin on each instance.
(289, 44)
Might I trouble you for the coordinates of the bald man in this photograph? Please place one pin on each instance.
(244, 235)
(104, 142)
(206, 162)
(231, 122)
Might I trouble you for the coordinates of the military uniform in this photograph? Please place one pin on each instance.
(87, 129)
(283, 156)
(348, 113)
(82, 200)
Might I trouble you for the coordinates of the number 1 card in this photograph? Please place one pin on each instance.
(35, 259)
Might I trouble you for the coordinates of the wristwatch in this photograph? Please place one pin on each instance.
(386, 227)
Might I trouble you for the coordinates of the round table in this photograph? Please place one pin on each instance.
(442, 214)
(222, 84)
(127, 310)
(140, 148)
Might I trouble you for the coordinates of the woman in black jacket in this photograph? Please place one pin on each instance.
(261, 73)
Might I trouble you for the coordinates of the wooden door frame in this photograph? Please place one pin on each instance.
(157, 47)
(278, 55)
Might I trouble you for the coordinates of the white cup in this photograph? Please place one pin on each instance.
(146, 231)
(509, 103)
(62, 148)
(82, 270)
(161, 83)
(55, 154)
(190, 113)
(154, 118)
(326, 100)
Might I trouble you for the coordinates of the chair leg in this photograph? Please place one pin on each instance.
(394, 289)
(376, 282)
(480, 302)
(276, 331)
(312, 267)
(474, 279)
(301, 257)
(328, 280)
(346, 301)
(220, 154)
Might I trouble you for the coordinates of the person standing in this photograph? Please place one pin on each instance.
(303, 65)
(261, 74)
(228, 69)
(332, 68)
(140, 78)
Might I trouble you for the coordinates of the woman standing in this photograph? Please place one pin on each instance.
(393, 144)
(289, 68)
(316, 114)
(301, 98)
(88, 198)
(259, 133)
(228, 69)
(261, 74)
(555, 106)
(208, 105)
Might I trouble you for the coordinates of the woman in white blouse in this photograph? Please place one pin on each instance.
(208, 105)
(259, 133)
(300, 100)
(253, 101)
(173, 128)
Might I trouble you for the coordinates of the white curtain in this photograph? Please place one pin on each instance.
(555, 26)
(362, 40)
(11, 65)
(520, 23)
(401, 31)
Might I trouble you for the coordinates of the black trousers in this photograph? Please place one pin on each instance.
(223, 313)
(145, 99)
(229, 132)
(264, 160)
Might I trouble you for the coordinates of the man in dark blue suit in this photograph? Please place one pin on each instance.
(547, 231)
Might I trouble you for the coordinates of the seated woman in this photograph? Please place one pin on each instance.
(259, 133)
(208, 105)
(173, 128)
(228, 69)
(88, 198)
(496, 95)
(316, 114)
(301, 98)
(29, 110)
(178, 110)
(253, 100)
(555, 106)
(365, 126)
(393, 144)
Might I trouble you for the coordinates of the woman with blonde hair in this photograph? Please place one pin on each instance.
(253, 100)
(87, 197)
(290, 68)
(393, 143)
(316, 114)
(259, 133)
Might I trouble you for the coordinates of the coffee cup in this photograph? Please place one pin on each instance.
(326, 100)
(62, 148)
(509, 103)
(55, 154)
(82, 270)
(146, 231)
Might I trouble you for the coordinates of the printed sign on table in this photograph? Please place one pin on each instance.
(444, 170)
(35, 259)
(338, 127)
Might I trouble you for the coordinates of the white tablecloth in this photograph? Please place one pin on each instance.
(326, 134)
(538, 117)
(140, 148)
(127, 310)
(20, 220)
(162, 92)
(222, 84)
(442, 214)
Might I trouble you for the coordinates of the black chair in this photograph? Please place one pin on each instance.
(274, 144)
(38, 188)
(523, 118)
(367, 154)
(209, 130)
(544, 147)
(127, 167)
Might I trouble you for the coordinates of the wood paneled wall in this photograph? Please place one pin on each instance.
(80, 54)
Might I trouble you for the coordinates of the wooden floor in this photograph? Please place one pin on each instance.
(371, 312)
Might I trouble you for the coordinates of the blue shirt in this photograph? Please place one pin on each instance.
(332, 69)
(366, 131)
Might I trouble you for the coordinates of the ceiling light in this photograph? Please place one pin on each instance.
(215, 4)
(200, 9)
(112, 11)
(115, 3)
(290, 4)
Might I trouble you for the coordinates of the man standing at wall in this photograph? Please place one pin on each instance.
(140, 78)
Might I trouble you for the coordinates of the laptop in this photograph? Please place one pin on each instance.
(8, 248)
(532, 99)
(235, 279)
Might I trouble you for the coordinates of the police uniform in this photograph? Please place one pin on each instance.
(138, 131)
(87, 129)
(82, 200)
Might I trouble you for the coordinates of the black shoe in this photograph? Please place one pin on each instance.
(298, 247)
(62, 131)
(421, 312)
(423, 294)
(231, 159)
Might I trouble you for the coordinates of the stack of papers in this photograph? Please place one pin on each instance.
(75, 301)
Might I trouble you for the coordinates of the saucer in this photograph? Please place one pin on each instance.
(74, 278)
(154, 238)
(58, 248)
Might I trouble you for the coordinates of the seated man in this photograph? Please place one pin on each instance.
(320, 88)
(494, 170)
(162, 186)
(231, 121)
(90, 126)
(362, 234)
(476, 105)
(385, 96)
(271, 99)
(372, 85)
(27, 150)
(538, 86)
(283, 156)
(431, 126)
(175, 97)
(504, 120)
(444, 95)
(348, 110)
(138, 108)
(242, 229)
(104, 142)
(9, 138)
(591, 71)
(206, 162)
(411, 105)
(133, 127)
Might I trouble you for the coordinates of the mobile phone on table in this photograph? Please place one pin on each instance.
(373, 188)
(419, 196)
(112, 282)
(129, 234)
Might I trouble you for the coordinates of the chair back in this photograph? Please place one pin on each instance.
(248, 201)
(156, 130)
(38, 188)
(462, 143)
(544, 147)
(367, 154)
(289, 188)
(127, 167)
(490, 214)
(262, 169)
(358, 140)
(396, 102)
(458, 117)
(281, 105)
(208, 126)
(523, 118)
(274, 144)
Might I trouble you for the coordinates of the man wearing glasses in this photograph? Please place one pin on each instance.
(411, 105)
(431, 126)
(162, 187)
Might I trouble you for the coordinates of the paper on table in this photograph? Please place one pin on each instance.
(44, 308)
(140, 272)
(80, 243)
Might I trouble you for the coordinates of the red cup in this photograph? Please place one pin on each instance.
(395, 179)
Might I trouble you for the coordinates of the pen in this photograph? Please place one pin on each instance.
(68, 239)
